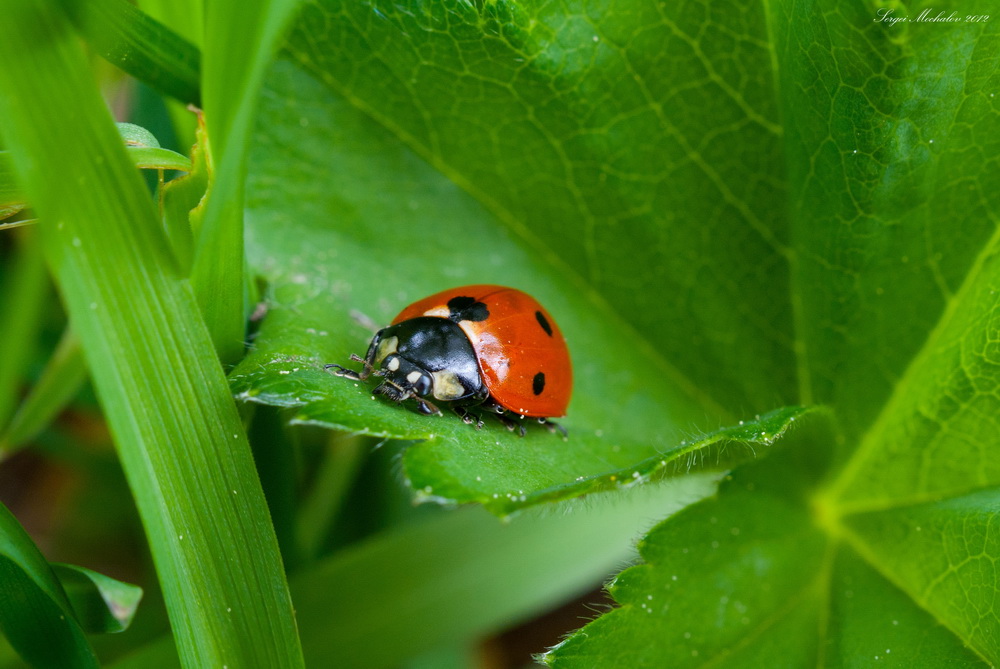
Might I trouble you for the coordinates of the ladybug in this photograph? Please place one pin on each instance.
(474, 347)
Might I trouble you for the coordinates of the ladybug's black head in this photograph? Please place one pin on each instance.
(408, 378)
(426, 357)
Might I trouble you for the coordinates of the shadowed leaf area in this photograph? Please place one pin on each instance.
(732, 211)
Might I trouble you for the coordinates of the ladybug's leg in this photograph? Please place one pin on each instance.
(468, 417)
(365, 372)
(554, 427)
(343, 371)
(505, 417)
(426, 408)
(512, 424)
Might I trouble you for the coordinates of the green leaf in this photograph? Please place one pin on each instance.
(64, 374)
(303, 253)
(101, 603)
(368, 605)
(519, 477)
(136, 135)
(380, 621)
(159, 159)
(765, 587)
(178, 435)
(35, 615)
(145, 150)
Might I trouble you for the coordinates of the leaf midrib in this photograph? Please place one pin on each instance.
(870, 441)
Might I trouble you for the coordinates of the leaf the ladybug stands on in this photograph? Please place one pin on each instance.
(630, 404)
(631, 409)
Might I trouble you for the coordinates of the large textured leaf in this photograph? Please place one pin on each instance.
(728, 209)
(890, 136)
(417, 235)
(767, 588)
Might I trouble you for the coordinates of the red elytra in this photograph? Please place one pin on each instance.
(521, 352)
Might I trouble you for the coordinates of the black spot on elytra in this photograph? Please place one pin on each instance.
(467, 309)
(538, 383)
(544, 323)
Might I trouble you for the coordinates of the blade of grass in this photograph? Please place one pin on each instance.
(61, 379)
(139, 45)
(22, 296)
(234, 63)
(184, 17)
(163, 391)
